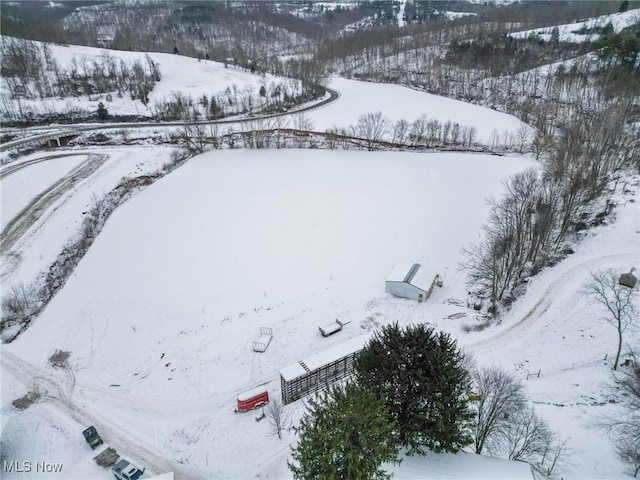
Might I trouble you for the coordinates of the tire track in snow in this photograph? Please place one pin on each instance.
(548, 298)
(13, 168)
(66, 397)
(35, 211)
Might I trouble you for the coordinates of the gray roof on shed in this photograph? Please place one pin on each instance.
(412, 274)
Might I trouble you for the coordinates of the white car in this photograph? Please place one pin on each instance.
(124, 470)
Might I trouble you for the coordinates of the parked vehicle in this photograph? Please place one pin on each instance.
(125, 470)
(92, 437)
(252, 399)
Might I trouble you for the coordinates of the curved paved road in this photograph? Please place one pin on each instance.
(68, 130)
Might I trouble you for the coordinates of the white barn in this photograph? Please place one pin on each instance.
(411, 281)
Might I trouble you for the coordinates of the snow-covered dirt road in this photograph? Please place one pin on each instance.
(41, 204)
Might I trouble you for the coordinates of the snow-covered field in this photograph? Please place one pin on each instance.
(397, 102)
(570, 32)
(61, 219)
(160, 314)
(233, 241)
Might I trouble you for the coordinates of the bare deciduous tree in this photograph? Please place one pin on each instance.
(301, 121)
(18, 305)
(500, 396)
(400, 131)
(619, 300)
(194, 136)
(628, 447)
(372, 127)
(624, 425)
(523, 136)
(526, 437)
(279, 418)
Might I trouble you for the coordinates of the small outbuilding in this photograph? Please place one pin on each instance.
(628, 279)
(411, 281)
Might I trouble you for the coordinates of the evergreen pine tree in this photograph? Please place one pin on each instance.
(214, 108)
(421, 375)
(103, 113)
(345, 433)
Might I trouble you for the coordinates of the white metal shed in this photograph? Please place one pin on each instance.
(410, 281)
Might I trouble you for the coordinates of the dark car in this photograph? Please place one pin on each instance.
(92, 437)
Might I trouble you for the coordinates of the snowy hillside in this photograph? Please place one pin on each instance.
(138, 273)
(582, 31)
(186, 77)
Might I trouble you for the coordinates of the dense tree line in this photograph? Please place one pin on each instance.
(30, 71)
(529, 226)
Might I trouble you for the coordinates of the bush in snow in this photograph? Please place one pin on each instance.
(19, 305)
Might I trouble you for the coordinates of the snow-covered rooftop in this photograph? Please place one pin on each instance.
(461, 466)
(413, 274)
(243, 397)
(325, 357)
(399, 272)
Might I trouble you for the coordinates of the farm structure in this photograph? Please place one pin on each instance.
(331, 328)
(628, 279)
(411, 281)
(260, 345)
(313, 373)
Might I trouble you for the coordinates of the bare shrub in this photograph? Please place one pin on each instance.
(19, 305)
(628, 447)
(59, 359)
(26, 401)
(477, 327)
